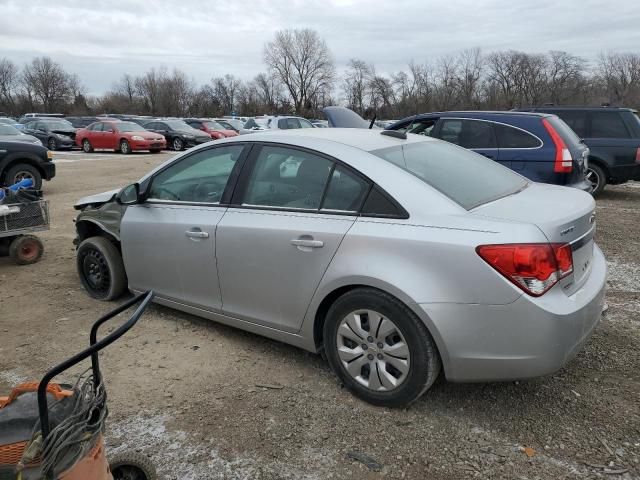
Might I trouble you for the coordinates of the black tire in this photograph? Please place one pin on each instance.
(125, 148)
(424, 360)
(132, 466)
(86, 146)
(155, 150)
(52, 144)
(26, 249)
(177, 144)
(21, 171)
(101, 269)
(598, 178)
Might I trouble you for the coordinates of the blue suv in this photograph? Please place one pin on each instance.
(539, 146)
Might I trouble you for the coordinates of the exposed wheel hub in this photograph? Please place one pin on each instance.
(373, 350)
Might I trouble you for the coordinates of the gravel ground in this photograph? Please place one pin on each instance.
(184, 390)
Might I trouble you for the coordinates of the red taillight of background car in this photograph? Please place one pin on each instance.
(533, 267)
(563, 160)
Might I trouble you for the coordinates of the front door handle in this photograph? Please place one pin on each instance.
(196, 233)
(306, 243)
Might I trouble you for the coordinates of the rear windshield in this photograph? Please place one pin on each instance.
(467, 178)
(569, 136)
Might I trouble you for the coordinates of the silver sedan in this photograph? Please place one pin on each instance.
(399, 256)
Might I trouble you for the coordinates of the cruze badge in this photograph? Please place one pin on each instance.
(567, 230)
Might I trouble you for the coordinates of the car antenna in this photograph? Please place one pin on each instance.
(373, 121)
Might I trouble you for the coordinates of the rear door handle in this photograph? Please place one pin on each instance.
(307, 242)
(196, 233)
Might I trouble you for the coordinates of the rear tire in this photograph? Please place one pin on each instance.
(177, 144)
(132, 466)
(86, 146)
(125, 148)
(26, 249)
(597, 177)
(101, 269)
(22, 171)
(377, 347)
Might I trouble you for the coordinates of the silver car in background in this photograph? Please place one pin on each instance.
(397, 255)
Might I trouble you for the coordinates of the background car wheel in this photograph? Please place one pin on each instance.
(26, 249)
(177, 144)
(379, 348)
(101, 269)
(22, 171)
(52, 144)
(86, 146)
(597, 178)
(125, 148)
(132, 466)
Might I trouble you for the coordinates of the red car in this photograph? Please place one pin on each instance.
(212, 127)
(116, 135)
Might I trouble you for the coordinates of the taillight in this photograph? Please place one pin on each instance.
(638, 155)
(563, 161)
(534, 267)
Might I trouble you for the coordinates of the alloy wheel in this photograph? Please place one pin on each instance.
(373, 350)
(86, 146)
(52, 144)
(177, 144)
(593, 178)
(23, 175)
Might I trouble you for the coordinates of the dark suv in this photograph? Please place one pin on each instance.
(539, 146)
(20, 160)
(613, 137)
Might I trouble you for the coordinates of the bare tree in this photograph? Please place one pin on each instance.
(446, 87)
(148, 87)
(9, 79)
(469, 75)
(47, 82)
(620, 75)
(355, 83)
(302, 62)
(226, 89)
(565, 76)
(269, 90)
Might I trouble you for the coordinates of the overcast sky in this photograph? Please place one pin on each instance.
(102, 39)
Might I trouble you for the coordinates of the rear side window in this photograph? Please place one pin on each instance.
(378, 204)
(608, 125)
(345, 192)
(509, 137)
(576, 120)
(465, 177)
(468, 133)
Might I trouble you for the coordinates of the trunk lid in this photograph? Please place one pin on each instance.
(564, 215)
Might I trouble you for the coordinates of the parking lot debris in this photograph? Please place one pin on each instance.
(269, 386)
(370, 462)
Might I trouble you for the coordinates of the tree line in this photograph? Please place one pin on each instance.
(301, 77)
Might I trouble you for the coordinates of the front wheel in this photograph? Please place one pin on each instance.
(23, 171)
(597, 178)
(178, 144)
(101, 268)
(125, 148)
(52, 144)
(379, 348)
(86, 146)
(132, 466)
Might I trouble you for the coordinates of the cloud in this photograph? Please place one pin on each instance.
(102, 40)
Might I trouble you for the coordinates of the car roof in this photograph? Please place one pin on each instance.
(484, 112)
(574, 107)
(361, 138)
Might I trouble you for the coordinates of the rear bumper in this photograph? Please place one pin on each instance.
(583, 185)
(527, 338)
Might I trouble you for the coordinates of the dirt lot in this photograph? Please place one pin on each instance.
(183, 390)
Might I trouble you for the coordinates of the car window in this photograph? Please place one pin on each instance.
(468, 133)
(608, 125)
(510, 137)
(379, 204)
(201, 177)
(98, 127)
(305, 123)
(421, 127)
(287, 178)
(468, 178)
(345, 192)
(576, 120)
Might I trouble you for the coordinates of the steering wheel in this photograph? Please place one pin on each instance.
(166, 190)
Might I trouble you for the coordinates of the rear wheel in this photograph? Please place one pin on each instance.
(177, 144)
(125, 148)
(23, 171)
(379, 348)
(132, 466)
(26, 249)
(597, 177)
(86, 146)
(101, 269)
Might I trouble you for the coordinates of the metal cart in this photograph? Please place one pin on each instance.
(18, 222)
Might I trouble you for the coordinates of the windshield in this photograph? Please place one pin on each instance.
(58, 125)
(8, 130)
(467, 178)
(178, 125)
(129, 127)
(214, 125)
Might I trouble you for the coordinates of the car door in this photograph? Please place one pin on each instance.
(168, 241)
(475, 134)
(109, 136)
(278, 237)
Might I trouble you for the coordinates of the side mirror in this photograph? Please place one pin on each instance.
(129, 195)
